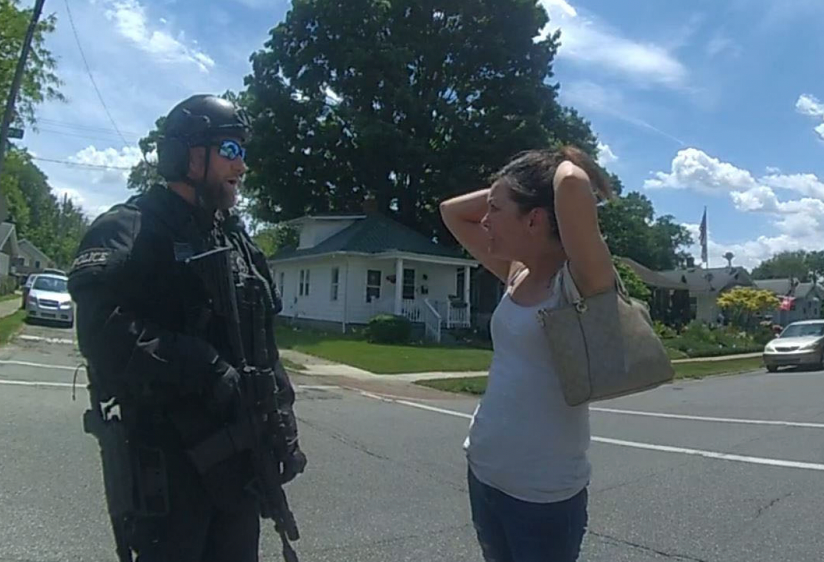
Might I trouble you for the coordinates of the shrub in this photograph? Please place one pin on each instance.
(388, 328)
(664, 332)
(8, 284)
(698, 340)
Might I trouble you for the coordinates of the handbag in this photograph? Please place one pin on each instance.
(603, 346)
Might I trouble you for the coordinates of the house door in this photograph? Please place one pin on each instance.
(408, 284)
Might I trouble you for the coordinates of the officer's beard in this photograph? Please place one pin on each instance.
(218, 195)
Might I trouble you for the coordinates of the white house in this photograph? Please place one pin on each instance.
(9, 248)
(31, 259)
(802, 300)
(348, 268)
(706, 285)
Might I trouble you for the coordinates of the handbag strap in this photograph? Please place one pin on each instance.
(568, 284)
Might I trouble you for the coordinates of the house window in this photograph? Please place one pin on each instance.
(373, 285)
(282, 282)
(459, 282)
(335, 283)
(693, 307)
(408, 284)
(37, 264)
(303, 284)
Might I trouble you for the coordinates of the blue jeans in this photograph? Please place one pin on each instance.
(512, 530)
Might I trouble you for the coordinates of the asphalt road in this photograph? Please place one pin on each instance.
(386, 480)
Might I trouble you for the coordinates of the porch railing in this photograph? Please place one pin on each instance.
(457, 316)
(432, 321)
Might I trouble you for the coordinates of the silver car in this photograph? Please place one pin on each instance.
(49, 299)
(800, 343)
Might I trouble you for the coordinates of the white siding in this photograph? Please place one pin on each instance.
(351, 306)
(4, 264)
(318, 304)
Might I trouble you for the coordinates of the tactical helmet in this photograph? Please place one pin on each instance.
(193, 122)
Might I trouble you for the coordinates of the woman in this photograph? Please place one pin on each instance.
(526, 449)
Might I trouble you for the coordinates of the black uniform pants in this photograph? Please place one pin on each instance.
(196, 529)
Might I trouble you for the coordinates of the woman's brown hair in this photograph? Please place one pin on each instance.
(530, 178)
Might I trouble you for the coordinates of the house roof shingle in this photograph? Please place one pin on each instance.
(373, 234)
(712, 279)
(652, 278)
(784, 287)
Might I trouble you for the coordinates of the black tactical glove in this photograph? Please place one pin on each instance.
(294, 464)
(225, 397)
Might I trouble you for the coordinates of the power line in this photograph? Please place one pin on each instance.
(77, 134)
(91, 77)
(81, 164)
(82, 127)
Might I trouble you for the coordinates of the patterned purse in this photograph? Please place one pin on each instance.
(603, 346)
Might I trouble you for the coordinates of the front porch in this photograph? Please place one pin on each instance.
(429, 291)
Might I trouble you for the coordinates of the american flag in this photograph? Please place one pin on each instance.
(702, 238)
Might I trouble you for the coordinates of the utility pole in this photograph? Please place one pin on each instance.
(15, 87)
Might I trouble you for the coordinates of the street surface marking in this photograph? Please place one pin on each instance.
(48, 340)
(709, 419)
(83, 385)
(713, 455)
(634, 444)
(38, 365)
(38, 383)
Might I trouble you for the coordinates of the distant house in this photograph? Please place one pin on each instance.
(349, 268)
(706, 285)
(800, 301)
(670, 299)
(9, 248)
(31, 259)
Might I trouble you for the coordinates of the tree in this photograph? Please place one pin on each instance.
(631, 230)
(40, 83)
(741, 303)
(55, 227)
(406, 101)
(144, 174)
(799, 265)
(276, 238)
(636, 288)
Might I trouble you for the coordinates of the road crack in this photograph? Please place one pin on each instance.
(771, 504)
(343, 439)
(648, 549)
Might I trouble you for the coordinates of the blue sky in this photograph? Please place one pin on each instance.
(698, 102)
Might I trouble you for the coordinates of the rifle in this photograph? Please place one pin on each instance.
(100, 422)
(262, 428)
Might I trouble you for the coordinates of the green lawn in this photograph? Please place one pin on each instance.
(383, 359)
(10, 297)
(11, 325)
(696, 370)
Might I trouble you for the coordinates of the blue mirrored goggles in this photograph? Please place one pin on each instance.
(231, 150)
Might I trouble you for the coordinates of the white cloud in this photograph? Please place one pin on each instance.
(131, 21)
(809, 105)
(694, 169)
(605, 154)
(118, 161)
(563, 5)
(799, 223)
(588, 41)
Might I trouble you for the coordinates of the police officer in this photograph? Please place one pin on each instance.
(147, 327)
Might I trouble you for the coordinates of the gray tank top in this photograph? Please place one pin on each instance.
(524, 439)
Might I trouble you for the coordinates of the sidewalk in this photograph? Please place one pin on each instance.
(9, 307)
(315, 366)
